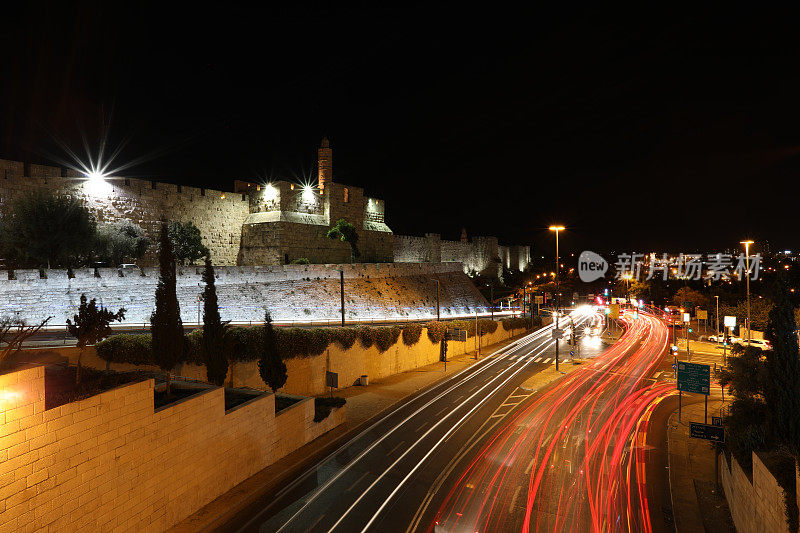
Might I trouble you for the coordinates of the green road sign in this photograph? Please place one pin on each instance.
(707, 432)
(694, 378)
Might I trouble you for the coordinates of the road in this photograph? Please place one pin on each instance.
(576, 457)
(377, 480)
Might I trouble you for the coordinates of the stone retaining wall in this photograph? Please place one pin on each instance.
(755, 507)
(290, 292)
(112, 462)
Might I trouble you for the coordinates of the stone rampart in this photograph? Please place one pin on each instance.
(113, 462)
(290, 292)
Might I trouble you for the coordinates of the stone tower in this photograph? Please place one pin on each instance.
(463, 234)
(325, 163)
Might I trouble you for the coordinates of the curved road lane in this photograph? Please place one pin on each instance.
(399, 457)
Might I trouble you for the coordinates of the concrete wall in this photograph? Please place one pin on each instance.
(290, 292)
(218, 214)
(110, 462)
(755, 507)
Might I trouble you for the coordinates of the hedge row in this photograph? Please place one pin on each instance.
(245, 344)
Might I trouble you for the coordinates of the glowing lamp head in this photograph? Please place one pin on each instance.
(95, 175)
(556, 228)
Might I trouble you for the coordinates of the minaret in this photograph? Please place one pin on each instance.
(463, 234)
(325, 163)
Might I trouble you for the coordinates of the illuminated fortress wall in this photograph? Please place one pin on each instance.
(482, 255)
(291, 292)
(218, 214)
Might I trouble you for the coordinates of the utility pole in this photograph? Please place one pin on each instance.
(747, 244)
(477, 336)
(341, 290)
(558, 294)
(717, 297)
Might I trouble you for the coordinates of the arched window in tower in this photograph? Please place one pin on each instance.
(346, 195)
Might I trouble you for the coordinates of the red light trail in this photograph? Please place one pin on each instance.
(573, 459)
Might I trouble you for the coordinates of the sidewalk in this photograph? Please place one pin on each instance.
(697, 505)
(363, 405)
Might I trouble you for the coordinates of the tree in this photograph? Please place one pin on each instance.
(120, 241)
(212, 347)
(166, 324)
(14, 332)
(782, 387)
(346, 232)
(270, 366)
(44, 230)
(187, 242)
(690, 298)
(90, 326)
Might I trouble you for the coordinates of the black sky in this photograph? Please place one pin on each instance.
(640, 130)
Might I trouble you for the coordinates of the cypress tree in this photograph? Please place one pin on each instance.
(270, 365)
(166, 325)
(782, 388)
(212, 347)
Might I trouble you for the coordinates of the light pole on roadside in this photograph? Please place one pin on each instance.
(747, 244)
(717, 297)
(558, 294)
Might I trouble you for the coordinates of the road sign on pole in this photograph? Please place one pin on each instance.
(707, 432)
(457, 335)
(613, 311)
(702, 314)
(693, 377)
(730, 322)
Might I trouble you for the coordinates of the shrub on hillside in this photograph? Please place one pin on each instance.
(436, 331)
(344, 337)
(411, 334)
(487, 326)
(386, 337)
(291, 343)
(126, 348)
(243, 344)
(366, 336)
(519, 322)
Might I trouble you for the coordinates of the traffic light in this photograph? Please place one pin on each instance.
(690, 330)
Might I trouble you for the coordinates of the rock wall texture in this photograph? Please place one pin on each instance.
(755, 507)
(112, 462)
(302, 293)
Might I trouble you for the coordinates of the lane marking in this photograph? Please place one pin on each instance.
(351, 487)
(390, 452)
(421, 426)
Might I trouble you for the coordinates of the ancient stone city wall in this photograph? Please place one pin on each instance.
(290, 292)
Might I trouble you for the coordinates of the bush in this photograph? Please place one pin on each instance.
(487, 325)
(126, 348)
(344, 337)
(323, 407)
(291, 343)
(300, 261)
(436, 331)
(366, 336)
(386, 337)
(411, 334)
(243, 344)
(318, 340)
(192, 343)
(519, 322)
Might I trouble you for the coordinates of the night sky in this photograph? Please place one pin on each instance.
(649, 131)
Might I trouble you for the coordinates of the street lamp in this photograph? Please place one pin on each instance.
(717, 297)
(558, 295)
(747, 278)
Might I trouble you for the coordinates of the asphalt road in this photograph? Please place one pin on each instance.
(379, 479)
(574, 457)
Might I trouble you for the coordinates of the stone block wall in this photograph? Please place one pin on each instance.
(218, 214)
(755, 507)
(291, 292)
(112, 462)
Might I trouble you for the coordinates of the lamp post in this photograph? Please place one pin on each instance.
(717, 297)
(747, 244)
(558, 294)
